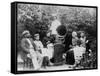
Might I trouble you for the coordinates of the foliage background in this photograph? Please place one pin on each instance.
(37, 18)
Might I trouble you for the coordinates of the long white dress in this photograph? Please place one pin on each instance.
(33, 56)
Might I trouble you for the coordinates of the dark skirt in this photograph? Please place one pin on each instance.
(58, 54)
(70, 58)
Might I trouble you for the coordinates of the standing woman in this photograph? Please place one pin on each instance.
(54, 24)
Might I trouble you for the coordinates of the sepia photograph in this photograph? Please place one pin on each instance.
(54, 37)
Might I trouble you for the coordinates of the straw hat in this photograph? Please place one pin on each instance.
(26, 32)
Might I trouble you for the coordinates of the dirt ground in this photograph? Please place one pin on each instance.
(48, 68)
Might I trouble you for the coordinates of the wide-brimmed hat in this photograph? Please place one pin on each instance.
(25, 32)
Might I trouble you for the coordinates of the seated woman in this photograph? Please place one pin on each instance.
(78, 50)
(39, 48)
(48, 44)
(48, 48)
(70, 53)
(28, 46)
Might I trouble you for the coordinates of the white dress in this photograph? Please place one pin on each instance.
(39, 46)
(48, 51)
(78, 52)
(54, 26)
(33, 56)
